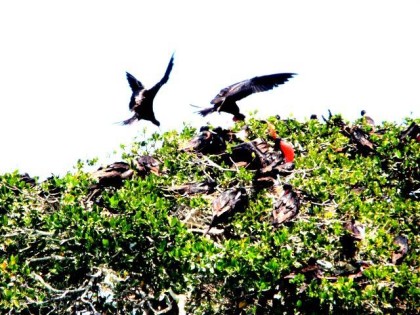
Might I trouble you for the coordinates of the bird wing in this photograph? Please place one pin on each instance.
(268, 82)
(134, 83)
(235, 91)
(240, 90)
(165, 78)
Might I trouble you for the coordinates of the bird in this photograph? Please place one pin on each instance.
(193, 188)
(367, 119)
(141, 102)
(355, 230)
(401, 243)
(208, 141)
(112, 175)
(286, 207)
(226, 205)
(225, 100)
(147, 164)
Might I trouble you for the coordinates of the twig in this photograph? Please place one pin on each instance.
(211, 163)
(56, 257)
(89, 286)
(188, 215)
(181, 300)
(50, 288)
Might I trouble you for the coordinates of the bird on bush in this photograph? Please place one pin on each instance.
(412, 132)
(147, 164)
(227, 204)
(141, 101)
(401, 242)
(225, 100)
(280, 144)
(204, 187)
(367, 119)
(208, 141)
(356, 230)
(286, 207)
(112, 175)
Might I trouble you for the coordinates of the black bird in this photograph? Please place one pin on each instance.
(227, 204)
(226, 100)
(142, 99)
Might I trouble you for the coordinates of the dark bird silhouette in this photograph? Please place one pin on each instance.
(227, 204)
(286, 207)
(208, 141)
(141, 102)
(355, 232)
(412, 132)
(226, 100)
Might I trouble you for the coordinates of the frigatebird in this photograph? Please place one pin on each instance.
(141, 102)
(225, 100)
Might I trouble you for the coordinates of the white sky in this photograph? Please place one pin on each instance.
(63, 64)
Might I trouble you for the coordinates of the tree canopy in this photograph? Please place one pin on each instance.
(218, 221)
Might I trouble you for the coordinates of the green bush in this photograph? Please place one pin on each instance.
(140, 247)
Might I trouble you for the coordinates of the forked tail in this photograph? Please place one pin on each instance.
(206, 111)
(128, 121)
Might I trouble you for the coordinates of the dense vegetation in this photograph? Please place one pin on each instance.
(129, 239)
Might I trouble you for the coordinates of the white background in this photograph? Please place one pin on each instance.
(63, 64)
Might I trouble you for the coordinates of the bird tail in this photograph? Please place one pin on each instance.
(206, 111)
(128, 121)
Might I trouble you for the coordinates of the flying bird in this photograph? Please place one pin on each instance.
(141, 102)
(226, 100)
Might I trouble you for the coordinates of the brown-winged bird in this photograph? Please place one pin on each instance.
(226, 100)
(227, 204)
(286, 207)
(141, 101)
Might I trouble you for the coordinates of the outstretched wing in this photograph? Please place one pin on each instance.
(165, 78)
(240, 90)
(134, 83)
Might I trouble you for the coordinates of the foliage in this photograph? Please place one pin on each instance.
(140, 247)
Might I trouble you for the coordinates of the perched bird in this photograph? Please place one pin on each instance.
(208, 141)
(286, 207)
(412, 132)
(280, 144)
(401, 242)
(227, 204)
(356, 230)
(367, 119)
(112, 175)
(204, 187)
(141, 101)
(226, 100)
(286, 148)
(147, 164)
